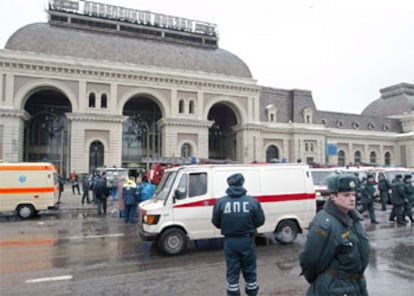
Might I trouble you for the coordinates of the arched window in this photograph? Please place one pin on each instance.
(357, 156)
(104, 101)
(387, 158)
(181, 106)
(191, 107)
(373, 157)
(272, 154)
(92, 100)
(96, 155)
(186, 150)
(341, 158)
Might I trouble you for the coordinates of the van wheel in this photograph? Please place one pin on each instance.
(25, 211)
(172, 241)
(286, 232)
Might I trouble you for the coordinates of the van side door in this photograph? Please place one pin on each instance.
(193, 205)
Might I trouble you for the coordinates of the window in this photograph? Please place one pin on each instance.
(198, 184)
(355, 125)
(307, 115)
(181, 106)
(272, 154)
(92, 100)
(371, 125)
(191, 107)
(271, 112)
(339, 123)
(186, 150)
(104, 101)
(387, 158)
(373, 157)
(341, 158)
(357, 157)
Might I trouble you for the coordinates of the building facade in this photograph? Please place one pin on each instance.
(104, 85)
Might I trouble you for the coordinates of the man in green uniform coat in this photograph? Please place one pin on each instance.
(368, 198)
(336, 252)
(383, 187)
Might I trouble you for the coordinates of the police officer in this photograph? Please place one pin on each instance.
(397, 200)
(383, 187)
(336, 252)
(409, 198)
(238, 215)
(367, 198)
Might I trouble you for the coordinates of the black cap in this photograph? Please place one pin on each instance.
(406, 177)
(235, 180)
(399, 176)
(370, 176)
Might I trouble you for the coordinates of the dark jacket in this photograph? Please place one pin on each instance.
(237, 214)
(398, 193)
(100, 189)
(130, 193)
(367, 192)
(383, 185)
(336, 253)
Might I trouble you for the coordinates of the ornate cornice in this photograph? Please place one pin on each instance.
(15, 113)
(96, 117)
(184, 122)
(61, 67)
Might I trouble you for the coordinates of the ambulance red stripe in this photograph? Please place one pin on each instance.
(262, 199)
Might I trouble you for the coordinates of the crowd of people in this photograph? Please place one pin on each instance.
(401, 191)
(125, 193)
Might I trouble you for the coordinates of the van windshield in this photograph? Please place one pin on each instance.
(165, 185)
(319, 177)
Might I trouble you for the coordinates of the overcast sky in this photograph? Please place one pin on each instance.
(342, 51)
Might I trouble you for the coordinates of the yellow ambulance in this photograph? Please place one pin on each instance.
(28, 187)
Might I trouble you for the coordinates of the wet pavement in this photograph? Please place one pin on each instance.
(74, 251)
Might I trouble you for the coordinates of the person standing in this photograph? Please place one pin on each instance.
(368, 197)
(92, 183)
(383, 187)
(62, 182)
(121, 205)
(75, 182)
(397, 200)
(409, 198)
(85, 189)
(238, 216)
(101, 193)
(146, 189)
(130, 196)
(336, 252)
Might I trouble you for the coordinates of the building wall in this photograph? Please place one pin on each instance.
(23, 74)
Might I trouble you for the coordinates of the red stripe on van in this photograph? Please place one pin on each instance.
(262, 199)
(26, 190)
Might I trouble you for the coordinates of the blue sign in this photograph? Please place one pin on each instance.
(22, 179)
(331, 149)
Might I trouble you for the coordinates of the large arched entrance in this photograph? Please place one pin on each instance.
(46, 133)
(222, 139)
(141, 139)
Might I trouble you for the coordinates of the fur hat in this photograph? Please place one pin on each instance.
(341, 183)
(235, 180)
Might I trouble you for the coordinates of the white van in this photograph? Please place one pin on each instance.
(182, 205)
(28, 187)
